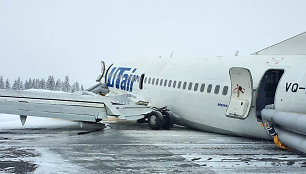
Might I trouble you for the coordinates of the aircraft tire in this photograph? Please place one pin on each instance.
(155, 120)
(168, 120)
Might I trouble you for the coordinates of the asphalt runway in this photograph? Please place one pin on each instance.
(57, 146)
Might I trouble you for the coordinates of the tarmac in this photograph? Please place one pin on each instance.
(56, 146)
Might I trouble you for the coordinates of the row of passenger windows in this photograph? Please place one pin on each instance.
(185, 85)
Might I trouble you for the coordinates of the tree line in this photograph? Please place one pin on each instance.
(49, 84)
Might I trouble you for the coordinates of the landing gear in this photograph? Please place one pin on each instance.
(168, 120)
(158, 120)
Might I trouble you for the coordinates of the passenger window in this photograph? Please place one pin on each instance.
(196, 87)
(179, 84)
(190, 86)
(157, 81)
(170, 81)
(145, 80)
(209, 88)
(184, 85)
(174, 84)
(149, 80)
(217, 88)
(202, 87)
(225, 89)
(165, 83)
(161, 82)
(153, 80)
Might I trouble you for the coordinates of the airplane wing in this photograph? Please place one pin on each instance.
(81, 106)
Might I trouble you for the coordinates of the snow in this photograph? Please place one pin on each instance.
(50, 162)
(13, 122)
(45, 90)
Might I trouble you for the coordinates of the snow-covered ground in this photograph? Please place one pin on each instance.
(47, 145)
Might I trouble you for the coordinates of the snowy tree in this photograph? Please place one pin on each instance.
(66, 85)
(1, 83)
(75, 87)
(15, 85)
(33, 84)
(28, 84)
(36, 84)
(42, 84)
(72, 89)
(18, 85)
(50, 84)
(58, 85)
(7, 84)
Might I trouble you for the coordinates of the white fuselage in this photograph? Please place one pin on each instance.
(198, 108)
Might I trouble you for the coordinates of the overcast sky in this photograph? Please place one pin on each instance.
(70, 37)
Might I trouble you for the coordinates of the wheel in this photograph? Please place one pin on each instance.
(168, 120)
(156, 120)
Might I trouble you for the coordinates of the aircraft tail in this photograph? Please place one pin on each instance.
(293, 46)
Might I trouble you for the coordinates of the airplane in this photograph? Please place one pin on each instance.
(259, 96)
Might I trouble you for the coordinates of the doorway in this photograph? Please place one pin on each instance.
(141, 81)
(267, 89)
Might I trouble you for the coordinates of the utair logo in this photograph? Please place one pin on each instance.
(122, 78)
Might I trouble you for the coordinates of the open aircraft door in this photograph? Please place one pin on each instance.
(241, 93)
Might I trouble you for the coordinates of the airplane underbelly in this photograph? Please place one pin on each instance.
(208, 114)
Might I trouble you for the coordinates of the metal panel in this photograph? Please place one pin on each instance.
(241, 93)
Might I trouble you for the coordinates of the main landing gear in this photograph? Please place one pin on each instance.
(159, 119)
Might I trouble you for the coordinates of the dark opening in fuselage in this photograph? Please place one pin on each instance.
(267, 89)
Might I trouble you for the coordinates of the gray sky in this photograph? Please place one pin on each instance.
(70, 37)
